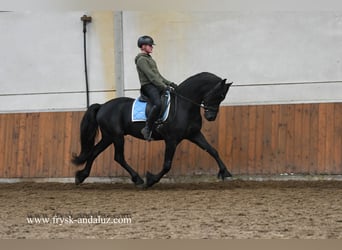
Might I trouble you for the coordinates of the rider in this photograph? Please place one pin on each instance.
(153, 84)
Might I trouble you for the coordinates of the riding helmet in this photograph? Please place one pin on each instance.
(145, 40)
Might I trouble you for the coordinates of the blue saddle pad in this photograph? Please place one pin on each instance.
(139, 110)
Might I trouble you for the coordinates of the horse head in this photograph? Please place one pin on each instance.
(213, 99)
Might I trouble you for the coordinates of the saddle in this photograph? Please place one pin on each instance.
(141, 108)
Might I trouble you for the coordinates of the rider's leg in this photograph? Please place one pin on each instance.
(153, 95)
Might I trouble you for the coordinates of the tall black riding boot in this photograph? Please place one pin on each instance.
(147, 133)
(152, 117)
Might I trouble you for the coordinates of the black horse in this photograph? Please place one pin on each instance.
(204, 90)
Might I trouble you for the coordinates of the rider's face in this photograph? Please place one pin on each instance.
(147, 48)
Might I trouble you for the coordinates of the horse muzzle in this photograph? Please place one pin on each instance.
(210, 115)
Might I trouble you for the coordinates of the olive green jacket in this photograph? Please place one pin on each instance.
(148, 71)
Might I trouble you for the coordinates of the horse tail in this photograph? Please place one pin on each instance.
(89, 131)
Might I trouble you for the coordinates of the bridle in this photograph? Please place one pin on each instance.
(201, 105)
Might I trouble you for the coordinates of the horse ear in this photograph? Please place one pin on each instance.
(230, 84)
(223, 81)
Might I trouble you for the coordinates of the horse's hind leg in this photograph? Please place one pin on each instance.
(120, 158)
(81, 175)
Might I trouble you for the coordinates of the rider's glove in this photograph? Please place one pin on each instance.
(169, 88)
(173, 85)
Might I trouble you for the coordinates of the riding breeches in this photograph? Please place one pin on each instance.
(153, 94)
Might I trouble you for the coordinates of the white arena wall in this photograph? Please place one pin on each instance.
(42, 66)
(272, 57)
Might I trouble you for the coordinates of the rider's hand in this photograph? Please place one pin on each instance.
(173, 85)
(169, 88)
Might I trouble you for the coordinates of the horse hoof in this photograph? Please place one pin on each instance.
(79, 179)
(150, 179)
(138, 181)
(224, 175)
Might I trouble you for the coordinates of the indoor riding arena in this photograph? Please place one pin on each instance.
(278, 131)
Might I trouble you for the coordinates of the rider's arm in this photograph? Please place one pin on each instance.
(156, 79)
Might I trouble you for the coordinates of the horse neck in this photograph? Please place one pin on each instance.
(196, 91)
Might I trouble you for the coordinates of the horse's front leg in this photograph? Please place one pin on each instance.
(200, 140)
(170, 149)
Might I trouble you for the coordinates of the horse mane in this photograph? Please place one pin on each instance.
(203, 77)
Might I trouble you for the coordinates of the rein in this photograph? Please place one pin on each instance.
(188, 100)
(201, 105)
